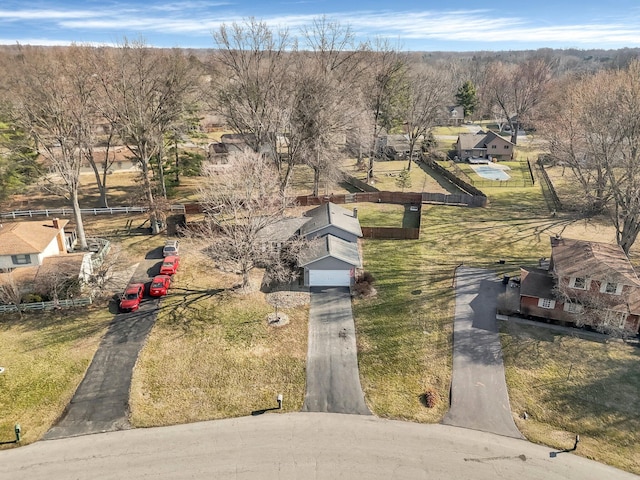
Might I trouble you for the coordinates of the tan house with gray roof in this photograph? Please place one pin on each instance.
(487, 145)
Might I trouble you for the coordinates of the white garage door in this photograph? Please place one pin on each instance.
(329, 278)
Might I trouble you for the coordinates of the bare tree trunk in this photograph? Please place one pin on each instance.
(77, 216)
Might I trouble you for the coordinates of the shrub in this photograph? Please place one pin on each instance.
(429, 398)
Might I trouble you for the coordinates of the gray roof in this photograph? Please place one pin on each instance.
(471, 141)
(330, 246)
(331, 214)
(536, 282)
(282, 230)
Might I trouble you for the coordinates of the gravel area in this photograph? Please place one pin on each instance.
(288, 299)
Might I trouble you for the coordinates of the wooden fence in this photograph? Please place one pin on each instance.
(458, 199)
(391, 233)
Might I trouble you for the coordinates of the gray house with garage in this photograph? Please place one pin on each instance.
(333, 256)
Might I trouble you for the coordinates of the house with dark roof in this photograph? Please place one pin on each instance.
(487, 145)
(330, 261)
(587, 283)
(329, 218)
(455, 114)
(333, 255)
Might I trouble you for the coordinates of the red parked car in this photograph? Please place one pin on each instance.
(169, 265)
(130, 300)
(159, 285)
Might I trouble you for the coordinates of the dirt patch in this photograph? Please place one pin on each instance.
(288, 299)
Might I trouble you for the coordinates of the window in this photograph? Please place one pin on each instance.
(506, 147)
(615, 319)
(611, 288)
(494, 146)
(546, 303)
(579, 283)
(21, 259)
(573, 307)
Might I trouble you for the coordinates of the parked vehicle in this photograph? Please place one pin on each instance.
(171, 248)
(159, 285)
(170, 265)
(131, 298)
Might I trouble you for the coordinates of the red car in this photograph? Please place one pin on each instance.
(130, 300)
(169, 265)
(159, 285)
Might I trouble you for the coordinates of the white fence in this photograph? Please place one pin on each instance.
(91, 211)
(27, 307)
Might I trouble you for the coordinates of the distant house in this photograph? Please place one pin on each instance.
(487, 145)
(394, 147)
(587, 283)
(455, 115)
(24, 244)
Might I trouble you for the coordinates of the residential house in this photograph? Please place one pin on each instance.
(587, 283)
(28, 243)
(487, 145)
(329, 218)
(333, 256)
(455, 115)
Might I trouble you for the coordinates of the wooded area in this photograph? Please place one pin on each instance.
(312, 99)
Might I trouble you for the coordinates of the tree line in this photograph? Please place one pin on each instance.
(294, 98)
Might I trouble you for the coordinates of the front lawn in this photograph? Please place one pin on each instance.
(569, 386)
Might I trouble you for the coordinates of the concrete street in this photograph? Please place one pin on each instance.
(298, 446)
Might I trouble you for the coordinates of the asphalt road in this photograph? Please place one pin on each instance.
(479, 397)
(333, 380)
(298, 446)
(101, 402)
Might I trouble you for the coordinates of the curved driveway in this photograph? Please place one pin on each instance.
(101, 402)
(479, 398)
(333, 380)
(298, 446)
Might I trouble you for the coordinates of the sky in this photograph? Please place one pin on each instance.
(409, 25)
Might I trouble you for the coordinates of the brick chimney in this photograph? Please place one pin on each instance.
(56, 224)
(355, 212)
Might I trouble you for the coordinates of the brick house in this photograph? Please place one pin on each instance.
(587, 283)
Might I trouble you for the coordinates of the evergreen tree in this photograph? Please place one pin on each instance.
(467, 97)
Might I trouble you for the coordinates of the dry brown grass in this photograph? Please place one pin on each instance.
(212, 353)
(571, 386)
(45, 356)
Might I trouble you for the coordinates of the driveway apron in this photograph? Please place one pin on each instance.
(333, 381)
(101, 402)
(479, 398)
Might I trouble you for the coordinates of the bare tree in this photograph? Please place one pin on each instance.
(241, 200)
(382, 83)
(517, 90)
(602, 115)
(250, 82)
(52, 102)
(10, 293)
(427, 92)
(147, 91)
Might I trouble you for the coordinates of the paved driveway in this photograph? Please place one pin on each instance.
(101, 402)
(333, 381)
(479, 398)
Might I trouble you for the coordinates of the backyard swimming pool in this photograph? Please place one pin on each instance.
(491, 173)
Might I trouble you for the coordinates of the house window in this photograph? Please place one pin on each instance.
(21, 259)
(615, 319)
(546, 303)
(506, 147)
(494, 147)
(573, 307)
(579, 283)
(611, 288)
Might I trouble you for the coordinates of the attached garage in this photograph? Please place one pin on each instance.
(330, 278)
(330, 262)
